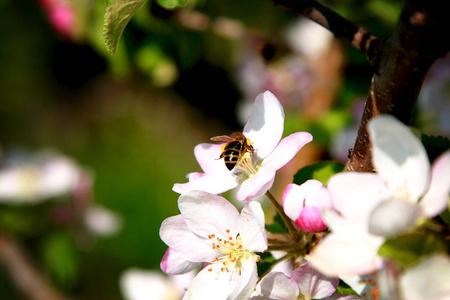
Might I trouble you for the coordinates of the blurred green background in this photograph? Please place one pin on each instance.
(134, 118)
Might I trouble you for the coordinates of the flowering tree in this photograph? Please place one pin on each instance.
(368, 232)
(375, 228)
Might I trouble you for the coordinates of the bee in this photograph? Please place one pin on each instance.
(237, 145)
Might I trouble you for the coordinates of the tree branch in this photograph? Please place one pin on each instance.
(355, 36)
(419, 38)
(401, 61)
(24, 274)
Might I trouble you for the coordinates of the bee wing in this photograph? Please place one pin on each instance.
(221, 138)
(228, 138)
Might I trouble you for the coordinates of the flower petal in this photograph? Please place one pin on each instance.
(175, 233)
(292, 199)
(257, 185)
(173, 263)
(246, 280)
(287, 149)
(276, 285)
(398, 156)
(355, 195)
(265, 125)
(312, 283)
(214, 184)
(211, 283)
(343, 297)
(207, 156)
(429, 279)
(207, 214)
(436, 198)
(137, 284)
(346, 254)
(251, 227)
(302, 204)
(310, 220)
(393, 217)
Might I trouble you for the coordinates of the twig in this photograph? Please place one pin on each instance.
(291, 229)
(342, 28)
(24, 274)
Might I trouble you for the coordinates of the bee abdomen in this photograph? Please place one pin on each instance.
(232, 153)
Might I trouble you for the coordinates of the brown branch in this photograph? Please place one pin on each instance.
(355, 36)
(401, 61)
(419, 38)
(24, 274)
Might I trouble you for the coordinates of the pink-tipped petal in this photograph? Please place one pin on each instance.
(175, 233)
(266, 123)
(436, 198)
(310, 220)
(172, 263)
(287, 149)
(399, 157)
(276, 285)
(314, 284)
(257, 185)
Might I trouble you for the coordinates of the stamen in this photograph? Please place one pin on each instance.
(233, 251)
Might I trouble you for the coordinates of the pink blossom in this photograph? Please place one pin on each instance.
(255, 173)
(302, 204)
(210, 229)
(367, 205)
(61, 14)
(304, 281)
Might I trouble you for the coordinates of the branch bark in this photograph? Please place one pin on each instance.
(24, 274)
(401, 61)
(405, 58)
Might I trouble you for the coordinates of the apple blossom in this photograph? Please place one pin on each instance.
(139, 284)
(402, 163)
(38, 177)
(367, 204)
(62, 16)
(210, 229)
(302, 204)
(255, 172)
(304, 283)
(429, 279)
(101, 220)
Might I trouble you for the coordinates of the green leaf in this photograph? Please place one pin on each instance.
(445, 215)
(278, 226)
(267, 261)
(344, 288)
(171, 4)
(321, 171)
(407, 249)
(117, 15)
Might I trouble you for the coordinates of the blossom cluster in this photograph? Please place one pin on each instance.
(335, 230)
